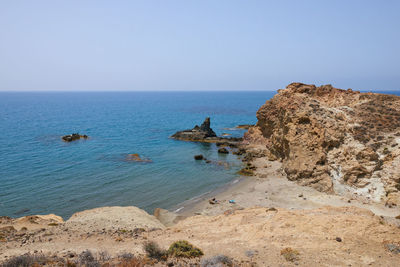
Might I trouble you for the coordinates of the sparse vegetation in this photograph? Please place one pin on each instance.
(217, 261)
(104, 256)
(134, 262)
(126, 256)
(290, 254)
(25, 260)
(87, 259)
(184, 249)
(153, 251)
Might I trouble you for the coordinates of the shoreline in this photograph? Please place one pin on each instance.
(270, 188)
(189, 206)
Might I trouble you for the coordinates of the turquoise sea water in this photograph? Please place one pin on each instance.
(40, 174)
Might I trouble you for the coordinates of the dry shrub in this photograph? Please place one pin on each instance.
(26, 260)
(87, 259)
(217, 261)
(133, 262)
(153, 251)
(290, 254)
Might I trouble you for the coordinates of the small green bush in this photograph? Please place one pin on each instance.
(184, 249)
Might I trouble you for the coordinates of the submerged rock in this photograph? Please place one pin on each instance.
(137, 158)
(244, 126)
(73, 137)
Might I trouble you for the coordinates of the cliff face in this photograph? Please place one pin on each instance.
(334, 140)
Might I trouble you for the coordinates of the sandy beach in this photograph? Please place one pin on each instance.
(270, 188)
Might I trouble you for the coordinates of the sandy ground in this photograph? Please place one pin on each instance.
(270, 188)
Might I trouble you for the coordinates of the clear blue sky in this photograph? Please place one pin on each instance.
(198, 45)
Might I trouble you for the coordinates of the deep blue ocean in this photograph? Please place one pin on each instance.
(41, 174)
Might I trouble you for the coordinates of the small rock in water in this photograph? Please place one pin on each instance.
(73, 137)
(223, 150)
(198, 157)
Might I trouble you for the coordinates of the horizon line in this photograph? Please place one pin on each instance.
(128, 91)
(166, 91)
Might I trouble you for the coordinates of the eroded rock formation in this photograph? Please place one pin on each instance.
(204, 133)
(334, 140)
(197, 133)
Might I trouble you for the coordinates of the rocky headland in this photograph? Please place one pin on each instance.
(334, 140)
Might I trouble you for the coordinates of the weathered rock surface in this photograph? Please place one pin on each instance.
(334, 140)
(204, 133)
(128, 218)
(73, 137)
(197, 133)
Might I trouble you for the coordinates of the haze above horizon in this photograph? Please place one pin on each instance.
(182, 45)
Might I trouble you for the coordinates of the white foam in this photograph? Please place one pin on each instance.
(179, 209)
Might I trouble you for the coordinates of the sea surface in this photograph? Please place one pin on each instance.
(41, 174)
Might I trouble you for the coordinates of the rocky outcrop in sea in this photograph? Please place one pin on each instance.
(73, 137)
(334, 140)
(204, 133)
(197, 133)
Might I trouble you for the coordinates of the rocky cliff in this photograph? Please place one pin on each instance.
(337, 141)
